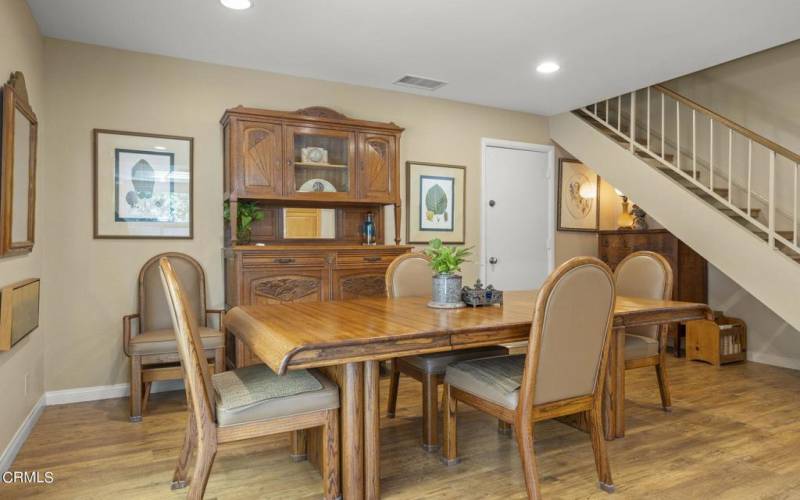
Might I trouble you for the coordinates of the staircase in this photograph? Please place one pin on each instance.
(729, 193)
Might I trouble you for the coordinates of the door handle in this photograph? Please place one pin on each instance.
(372, 258)
(492, 260)
(283, 261)
(491, 203)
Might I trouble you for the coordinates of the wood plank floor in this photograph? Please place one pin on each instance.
(734, 433)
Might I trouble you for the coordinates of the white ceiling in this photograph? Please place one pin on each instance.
(486, 50)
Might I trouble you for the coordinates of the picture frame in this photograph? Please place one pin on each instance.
(575, 210)
(143, 185)
(435, 197)
(18, 156)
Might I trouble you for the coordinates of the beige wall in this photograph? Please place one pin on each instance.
(760, 92)
(92, 281)
(21, 49)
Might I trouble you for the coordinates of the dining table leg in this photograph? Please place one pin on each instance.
(614, 387)
(619, 386)
(372, 424)
(352, 426)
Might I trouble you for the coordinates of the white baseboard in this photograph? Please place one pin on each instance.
(771, 359)
(10, 453)
(98, 392)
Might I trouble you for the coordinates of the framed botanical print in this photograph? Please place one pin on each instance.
(578, 197)
(142, 185)
(435, 201)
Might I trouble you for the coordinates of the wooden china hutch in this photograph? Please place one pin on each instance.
(315, 174)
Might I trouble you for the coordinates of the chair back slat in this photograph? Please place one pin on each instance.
(154, 313)
(196, 374)
(569, 334)
(409, 275)
(644, 274)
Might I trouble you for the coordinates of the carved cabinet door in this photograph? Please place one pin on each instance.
(377, 167)
(355, 283)
(274, 286)
(259, 158)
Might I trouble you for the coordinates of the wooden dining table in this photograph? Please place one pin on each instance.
(347, 340)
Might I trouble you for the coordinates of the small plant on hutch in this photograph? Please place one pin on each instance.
(446, 263)
(246, 213)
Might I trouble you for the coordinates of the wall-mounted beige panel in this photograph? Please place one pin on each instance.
(19, 311)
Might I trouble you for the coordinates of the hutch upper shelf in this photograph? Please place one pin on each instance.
(312, 155)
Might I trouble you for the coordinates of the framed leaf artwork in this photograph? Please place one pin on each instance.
(142, 185)
(578, 197)
(435, 201)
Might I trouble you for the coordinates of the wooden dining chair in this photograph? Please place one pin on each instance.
(647, 274)
(562, 373)
(244, 403)
(148, 338)
(410, 276)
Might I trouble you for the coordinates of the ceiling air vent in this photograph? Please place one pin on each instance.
(419, 82)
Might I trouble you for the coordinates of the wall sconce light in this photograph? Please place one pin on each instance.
(588, 191)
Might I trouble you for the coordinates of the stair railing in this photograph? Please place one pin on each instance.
(617, 112)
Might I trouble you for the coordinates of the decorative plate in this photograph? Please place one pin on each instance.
(317, 186)
(314, 155)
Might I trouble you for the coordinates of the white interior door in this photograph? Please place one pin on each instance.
(518, 215)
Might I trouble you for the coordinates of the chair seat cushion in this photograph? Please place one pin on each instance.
(256, 393)
(495, 379)
(163, 341)
(638, 346)
(436, 363)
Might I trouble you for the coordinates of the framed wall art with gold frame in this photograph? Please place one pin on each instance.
(578, 197)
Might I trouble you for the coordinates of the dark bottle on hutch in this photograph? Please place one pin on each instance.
(368, 230)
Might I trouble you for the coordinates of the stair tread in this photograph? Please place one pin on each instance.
(754, 212)
(761, 234)
(668, 157)
(613, 135)
(697, 175)
(791, 254)
(720, 191)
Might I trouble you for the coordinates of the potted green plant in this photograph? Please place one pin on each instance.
(446, 264)
(247, 212)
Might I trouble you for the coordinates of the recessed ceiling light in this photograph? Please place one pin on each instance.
(160, 148)
(237, 4)
(548, 67)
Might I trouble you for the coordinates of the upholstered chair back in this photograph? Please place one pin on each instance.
(182, 316)
(570, 332)
(409, 276)
(644, 274)
(154, 312)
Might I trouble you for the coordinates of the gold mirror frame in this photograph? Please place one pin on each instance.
(15, 98)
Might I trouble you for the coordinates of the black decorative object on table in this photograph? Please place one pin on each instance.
(479, 296)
